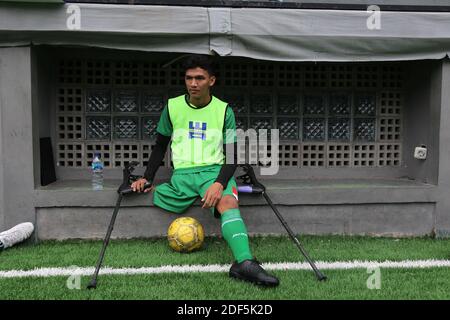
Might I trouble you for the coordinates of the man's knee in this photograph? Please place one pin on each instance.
(227, 202)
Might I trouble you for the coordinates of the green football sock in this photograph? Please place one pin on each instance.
(235, 233)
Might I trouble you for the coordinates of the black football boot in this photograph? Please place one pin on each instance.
(251, 270)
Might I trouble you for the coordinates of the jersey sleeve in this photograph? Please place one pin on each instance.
(165, 125)
(229, 128)
(156, 157)
(229, 137)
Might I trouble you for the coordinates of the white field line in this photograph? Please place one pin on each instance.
(338, 265)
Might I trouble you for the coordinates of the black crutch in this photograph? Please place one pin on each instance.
(254, 186)
(125, 188)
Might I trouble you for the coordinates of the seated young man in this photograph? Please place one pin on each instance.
(199, 125)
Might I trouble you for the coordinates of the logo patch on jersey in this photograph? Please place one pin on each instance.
(197, 130)
(235, 192)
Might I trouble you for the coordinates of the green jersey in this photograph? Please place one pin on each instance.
(198, 133)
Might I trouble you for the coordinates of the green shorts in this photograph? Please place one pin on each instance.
(188, 184)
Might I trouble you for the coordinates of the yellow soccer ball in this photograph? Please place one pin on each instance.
(185, 234)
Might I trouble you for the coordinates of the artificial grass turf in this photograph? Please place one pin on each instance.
(155, 252)
(294, 285)
(429, 283)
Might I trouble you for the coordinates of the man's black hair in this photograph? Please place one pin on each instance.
(200, 61)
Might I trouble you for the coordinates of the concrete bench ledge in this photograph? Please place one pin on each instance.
(285, 192)
(70, 209)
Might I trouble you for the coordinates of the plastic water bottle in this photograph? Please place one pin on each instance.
(97, 173)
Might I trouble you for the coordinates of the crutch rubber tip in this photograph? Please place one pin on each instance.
(92, 285)
(322, 278)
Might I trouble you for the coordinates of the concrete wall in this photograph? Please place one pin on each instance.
(375, 219)
(421, 120)
(388, 208)
(2, 213)
(17, 157)
(332, 204)
(441, 96)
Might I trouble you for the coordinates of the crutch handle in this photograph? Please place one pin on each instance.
(250, 189)
(128, 190)
(249, 177)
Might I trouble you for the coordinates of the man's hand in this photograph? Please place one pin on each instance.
(138, 185)
(212, 195)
